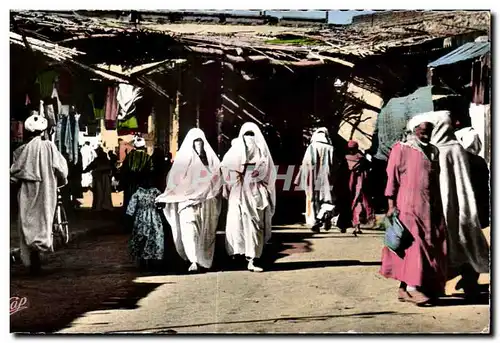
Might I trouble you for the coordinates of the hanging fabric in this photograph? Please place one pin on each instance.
(46, 82)
(50, 115)
(111, 108)
(56, 101)
(99, 99)
(16, 131)
(76, 136)
(98, 111)
(127, 127)
(64, 87)
(142, 114)
(127, 96)
(67, 134)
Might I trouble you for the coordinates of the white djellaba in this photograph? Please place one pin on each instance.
(40, 169)
(249, 172)
(466, 242)
(315, 175)
(192, 200)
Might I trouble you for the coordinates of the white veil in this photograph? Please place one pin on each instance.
(189, 178)
(236, 158)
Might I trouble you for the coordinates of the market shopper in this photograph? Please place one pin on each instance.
(413, 190)
(136, 168)
(358, 166)
(192, 201)
(316, 178)
(40, 169)
(101, 185)
(249, 169)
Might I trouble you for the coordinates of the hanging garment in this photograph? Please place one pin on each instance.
(63, 113)
(252, 199)
(111, 109)
(99, 99)
(56, 102)
(16, 131)
(110, 125)
(65, 87)
(46, 82)
(127, 96)
(88, 155)
(76, 138)
(98, 111)
(192, 200)
(40, 169)
(127, 127)
(50, 115)
(143, 111)
(84, 106)
(92, 128)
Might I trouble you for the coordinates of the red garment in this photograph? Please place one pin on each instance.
(16, 131)
(413, 181)
(362, 211)
(110, 124)
(111, 107)
(127, 132)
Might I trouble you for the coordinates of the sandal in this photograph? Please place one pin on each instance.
(403, 295)
(418, 298)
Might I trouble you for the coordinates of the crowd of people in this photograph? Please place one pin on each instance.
(429, 188)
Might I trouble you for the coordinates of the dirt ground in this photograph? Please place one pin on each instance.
(327, 282)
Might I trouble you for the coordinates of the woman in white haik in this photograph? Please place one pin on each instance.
(249, 170)
(192, 202)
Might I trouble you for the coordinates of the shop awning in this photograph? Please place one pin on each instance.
(466, 52)
(62, 54)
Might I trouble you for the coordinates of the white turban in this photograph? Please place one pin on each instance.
(428, 117)
(35, 122)
(139, 142)
(417, 120)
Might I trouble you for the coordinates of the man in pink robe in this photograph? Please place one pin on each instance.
(412, 188)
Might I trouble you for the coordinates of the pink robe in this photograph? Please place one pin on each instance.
(361, 208)
(413, 180)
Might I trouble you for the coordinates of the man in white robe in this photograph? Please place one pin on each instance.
(249, 170)
(88, 155)
(40, 169)
(468, 249)
(192, 200)
(315, 178)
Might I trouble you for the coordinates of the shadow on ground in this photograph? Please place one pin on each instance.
(459, 299)
(363, 315)
(92, 273)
